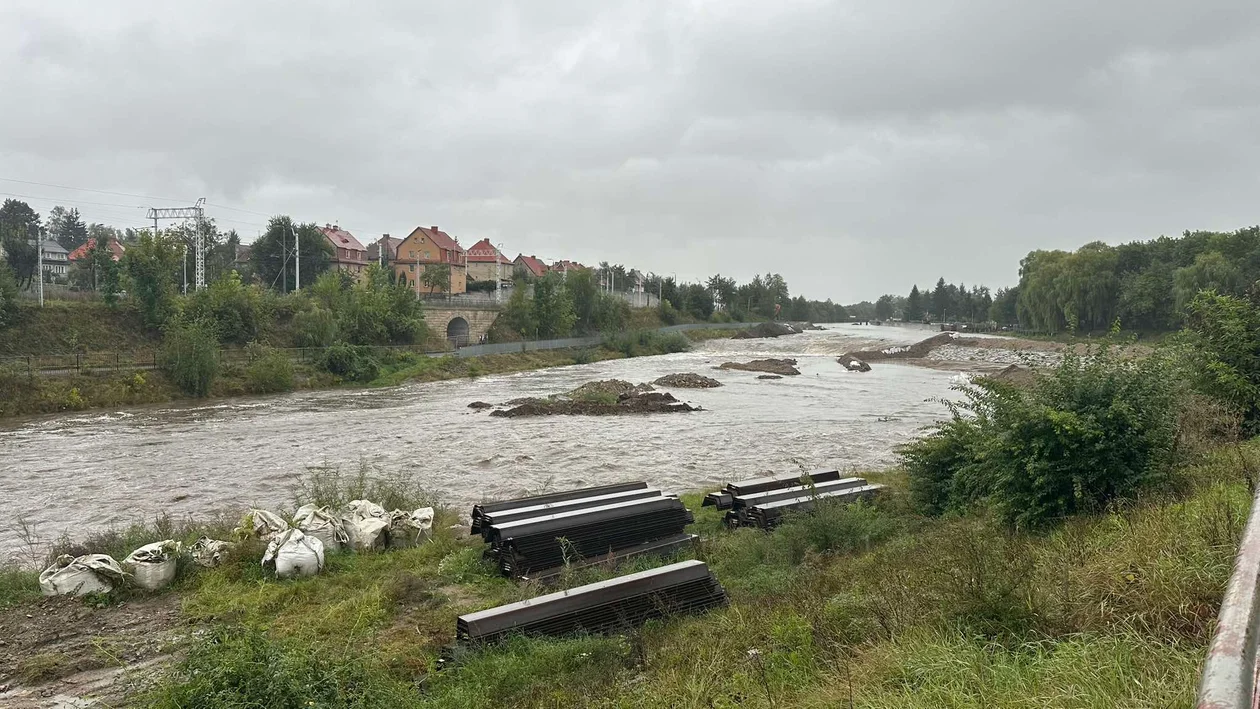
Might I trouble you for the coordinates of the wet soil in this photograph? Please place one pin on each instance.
(687, 380)
(782, 367)
(63, 653)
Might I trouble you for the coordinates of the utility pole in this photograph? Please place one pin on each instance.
(284, 264)
(196, 212)
(39, 272)
(498, 269)
(297, 260)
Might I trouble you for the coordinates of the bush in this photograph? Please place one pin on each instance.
(353, 362)
(316, 327)
(1224, 334)
(8, 297)
(668, 314)
(647, 342)
(237, 311)
(268, 371)
(190, 356)
(1094, 430)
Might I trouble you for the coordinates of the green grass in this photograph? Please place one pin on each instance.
(869, 602)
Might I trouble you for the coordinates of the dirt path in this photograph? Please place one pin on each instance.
(63, 654)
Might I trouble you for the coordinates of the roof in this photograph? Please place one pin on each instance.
(440, 239)
(538, 268)
(391, 251)
(341, 238)
(484, 252)
(50, 246)
(83, 250)
(564, 265)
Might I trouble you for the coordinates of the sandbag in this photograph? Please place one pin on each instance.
(407, 529)
(366, 525)
(261, 524)
(91, 573)
(294, 554)
(325, 526)
(209, 552)
(152, 566)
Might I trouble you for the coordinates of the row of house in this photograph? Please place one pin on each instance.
(428, 248)
(57, 260)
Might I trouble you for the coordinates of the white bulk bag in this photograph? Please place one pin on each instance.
(91, 573)
(294, 554)
(261, 524)
(152, 566)
(407, 529)
(318, 522)
(209, 552)
(366, 525)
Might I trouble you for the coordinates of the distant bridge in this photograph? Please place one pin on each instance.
(460, 322)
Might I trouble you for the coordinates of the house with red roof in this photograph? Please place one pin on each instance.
(487, 263)
(429, 247)
(384, 250)
(116, 250)
(563, 267)
(348, 254)
(531, 265)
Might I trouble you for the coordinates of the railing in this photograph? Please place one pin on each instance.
(1229, 672)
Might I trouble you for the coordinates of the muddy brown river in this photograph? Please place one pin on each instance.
(83, 472)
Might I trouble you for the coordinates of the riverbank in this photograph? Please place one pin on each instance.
(24, 394)
(871, 605)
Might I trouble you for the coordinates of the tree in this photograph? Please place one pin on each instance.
(884, 307)
(150, 265)
(553, 310)
(582, 291)
(941, 306)
(1003, 310)
(103, 270)
(723, 290)
(518, 314)
(190, 357)
(437, 277)
(1224, 333)
(19, 232)
(1210, 271)
(914, 305)
(67, 228)
(272, 253)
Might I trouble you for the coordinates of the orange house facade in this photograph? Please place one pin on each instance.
(428, 247)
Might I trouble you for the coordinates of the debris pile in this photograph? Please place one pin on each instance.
(600, 398)
(853, 364)
(539, 537)
(782, 367)
(608, 606)
(687, 380)
(763, 502)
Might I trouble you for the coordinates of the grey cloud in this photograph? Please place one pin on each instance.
(857, 147)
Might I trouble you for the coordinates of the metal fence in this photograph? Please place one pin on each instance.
(1229, 672)
(88, 363)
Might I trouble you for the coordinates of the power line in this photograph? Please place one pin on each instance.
(85, 189)
(70, 201)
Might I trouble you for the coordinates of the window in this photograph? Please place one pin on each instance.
(411, 267)
(411, 254)
(426, 255)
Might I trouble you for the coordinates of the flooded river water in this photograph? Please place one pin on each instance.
(88, 471)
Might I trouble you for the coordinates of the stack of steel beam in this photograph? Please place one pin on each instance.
(762, 502)
(768, 514)
(540, 539)
(608, 606)
(724, 499)
(482, 509)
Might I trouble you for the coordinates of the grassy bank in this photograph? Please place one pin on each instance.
(22, 394)
(872, 605)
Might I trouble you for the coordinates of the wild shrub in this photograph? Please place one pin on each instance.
(8, 297)
(352, 362)
(833, 526)
(268, 371)
(238, 311)
(1096, 429)
(190, 356)
(1224, 336)
(316, 327)
(639, 343)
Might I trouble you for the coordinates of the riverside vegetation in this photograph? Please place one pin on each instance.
(1062, 543)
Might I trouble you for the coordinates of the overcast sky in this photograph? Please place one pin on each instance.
(854, 147)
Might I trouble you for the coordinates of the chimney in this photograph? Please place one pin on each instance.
(433, 228)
